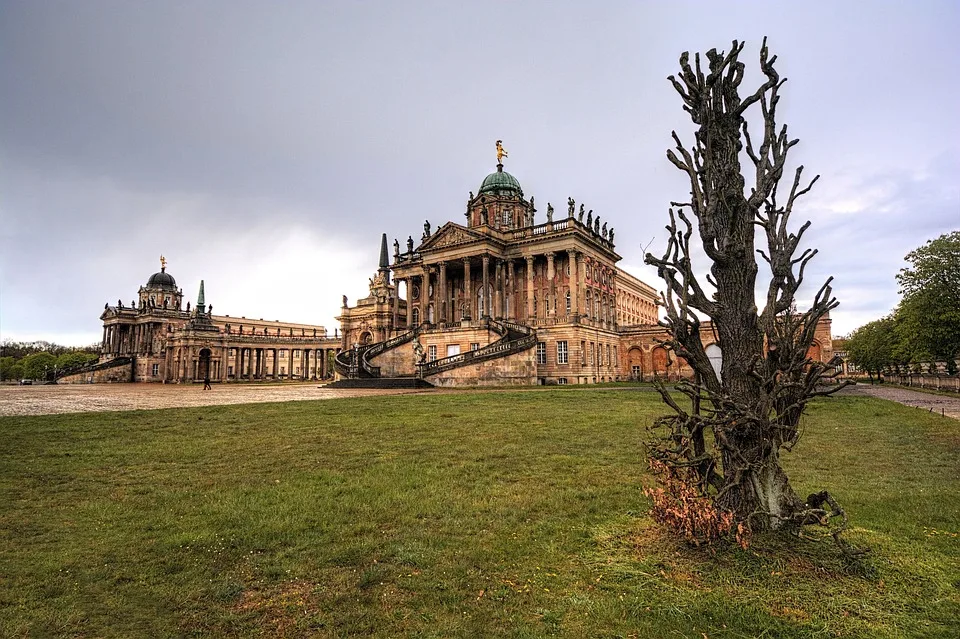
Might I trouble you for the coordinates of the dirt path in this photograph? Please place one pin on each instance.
(940, 404)
(83, 398)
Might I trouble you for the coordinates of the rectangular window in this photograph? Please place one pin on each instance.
(156, 369)
(453, 349)
(283, 353)
(475, 346)
(431, 353)
(608, 360)
(583, 353)
(562, 352)
(229, 371)
(232, 352)
(635, 370)
(541, 352)
(562, 381)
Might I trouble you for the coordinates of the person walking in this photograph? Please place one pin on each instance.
(206, 384)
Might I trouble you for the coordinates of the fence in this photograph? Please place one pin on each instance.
(936, 382)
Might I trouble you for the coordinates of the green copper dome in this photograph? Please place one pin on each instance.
(499, 182)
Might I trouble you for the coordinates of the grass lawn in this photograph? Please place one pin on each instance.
(515, 514)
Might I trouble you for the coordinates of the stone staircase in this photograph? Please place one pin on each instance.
(356, 370)
(515, 338)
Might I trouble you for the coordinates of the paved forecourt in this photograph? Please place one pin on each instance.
(946, 405)
(84, 398)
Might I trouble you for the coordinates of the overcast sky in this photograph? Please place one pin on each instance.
(263, 147)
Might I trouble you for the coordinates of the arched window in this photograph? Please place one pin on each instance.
(716, 358)
(416, 316)
(430, 313)
(568, 302)
(480, 300)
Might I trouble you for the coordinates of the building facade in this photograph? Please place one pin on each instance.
(546, 295)
(160, 340)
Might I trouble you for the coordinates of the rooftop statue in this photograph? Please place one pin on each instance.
(549, 212)
(426, 229)
(409, 244)
(596, 225)
(396, 248)
(571, 206)
(611, 235)
(604, 231)
(501, 152)
(580, 217)
(590, 219)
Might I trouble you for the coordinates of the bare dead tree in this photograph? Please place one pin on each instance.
(753, 407)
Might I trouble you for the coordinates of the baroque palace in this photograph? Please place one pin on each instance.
(501, 299)
(156, 339)
(508, 299)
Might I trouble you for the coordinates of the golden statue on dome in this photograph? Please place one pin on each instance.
(501, 153)
(163, 262)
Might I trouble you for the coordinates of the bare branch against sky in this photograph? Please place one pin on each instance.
(265, 146)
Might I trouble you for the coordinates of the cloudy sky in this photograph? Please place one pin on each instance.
(263, 147)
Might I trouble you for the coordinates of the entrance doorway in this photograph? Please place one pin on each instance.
(203, 365)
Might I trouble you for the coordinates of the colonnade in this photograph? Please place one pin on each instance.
(185, 363)
(585, 289)
(129, 339)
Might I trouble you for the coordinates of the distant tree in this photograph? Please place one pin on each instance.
(38, 365)
(929, 312)
(10, 368)
(765, 381)
(873, 347)
(74, 360)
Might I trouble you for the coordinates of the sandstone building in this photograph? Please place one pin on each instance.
(156, 339)
(504, 298)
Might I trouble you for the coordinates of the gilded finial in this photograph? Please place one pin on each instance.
(501, 153)
(163, 263)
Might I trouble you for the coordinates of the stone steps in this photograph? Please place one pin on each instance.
(381, 382)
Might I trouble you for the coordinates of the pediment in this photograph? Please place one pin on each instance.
(450, 234)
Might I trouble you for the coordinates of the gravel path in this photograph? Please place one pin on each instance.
(83, 398)
(940, 404)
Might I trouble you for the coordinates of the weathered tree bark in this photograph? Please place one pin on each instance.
(766, 379)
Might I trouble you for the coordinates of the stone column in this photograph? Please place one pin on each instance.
(253, 361)
(103, 341)
(511, 290)
(582, 288)
(574, 288)
(290, 367)
(424, 295)
(551, 285)
(442, 297)
(409, 285)
(166, 365)
(498, 289)
(396, 305)
(467, 290)
(224, 364)
(530, 312)
(486, 286)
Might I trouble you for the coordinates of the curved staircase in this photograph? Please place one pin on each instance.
(515, 338)
(356, 370)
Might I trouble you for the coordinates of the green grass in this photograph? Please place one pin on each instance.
(514, 514)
